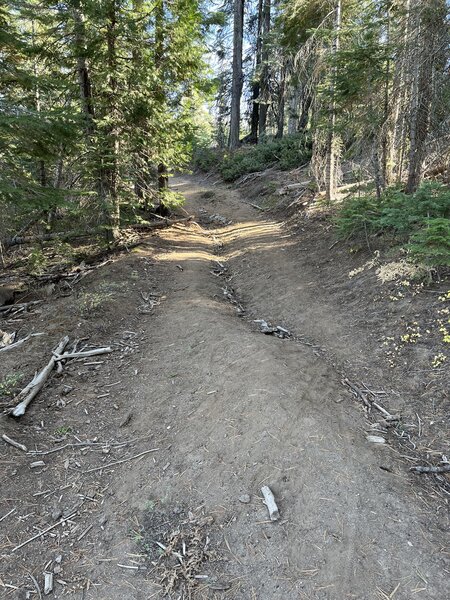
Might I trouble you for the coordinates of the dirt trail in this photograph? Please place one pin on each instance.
(244, 410)
(232, 409)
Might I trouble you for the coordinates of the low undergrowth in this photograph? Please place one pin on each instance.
(419, 222)
(287, 153)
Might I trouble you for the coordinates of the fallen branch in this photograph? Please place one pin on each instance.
(7, 514)
(19, 342)
(12, 442)
(160, 224)
(47, 237)
(68, 355)
(269, 501)
(119, 462)
(38, 535)
(443, 469)
(367, 397)
(13, 308)
(37, 383)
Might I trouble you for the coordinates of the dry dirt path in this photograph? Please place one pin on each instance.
(241, 410)
(230, 410)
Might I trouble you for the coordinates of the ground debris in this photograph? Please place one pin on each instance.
(268, 329)
(179, 547)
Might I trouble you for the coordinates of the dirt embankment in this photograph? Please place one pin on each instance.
(154, 455)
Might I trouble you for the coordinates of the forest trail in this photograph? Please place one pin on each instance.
(229, 410)
(241, 410)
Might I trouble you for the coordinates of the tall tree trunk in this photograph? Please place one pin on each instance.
(236, 86)
(431, 17)
(332, 150)
(84, 79)
(293, 108)
(112, 141)
(307, 99)
(221, 112)
(163, 176)
(281, 103)
(264, 84)
(254, 117)
(385, 134)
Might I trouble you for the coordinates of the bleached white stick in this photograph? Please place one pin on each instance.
(269, 501)
(37, 383)
(68, 355)
(12, 442)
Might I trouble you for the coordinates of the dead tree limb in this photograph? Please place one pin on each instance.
(26, 396)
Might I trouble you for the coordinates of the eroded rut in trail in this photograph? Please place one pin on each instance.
(234, 410)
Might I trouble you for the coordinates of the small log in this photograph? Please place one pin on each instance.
(269, 501)
(27, 395)
(12, 442)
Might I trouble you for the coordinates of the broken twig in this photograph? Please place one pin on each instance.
(119, 462)
(269, 501)
(12, 442)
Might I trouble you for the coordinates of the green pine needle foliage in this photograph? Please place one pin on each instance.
(421, 221)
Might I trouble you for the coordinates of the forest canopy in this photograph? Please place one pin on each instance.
(101, 100)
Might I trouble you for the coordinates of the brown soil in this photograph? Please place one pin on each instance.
(226, 410)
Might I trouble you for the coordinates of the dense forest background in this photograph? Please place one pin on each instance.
(101, 100)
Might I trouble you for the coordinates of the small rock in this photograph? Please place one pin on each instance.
(37, 464)
(245, 498)
(56, 514)
(103, 520)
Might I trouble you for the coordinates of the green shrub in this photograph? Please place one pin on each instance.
(421, 220)
(286, 153)
(36, 261)
(206, 159)
(431, 244)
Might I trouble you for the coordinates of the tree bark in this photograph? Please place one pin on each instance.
(431, 18)
(281, 103)
(332, 158)
(293, 109)
(111, 168)
(236, 86)
(254, 119)
(264, 83)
